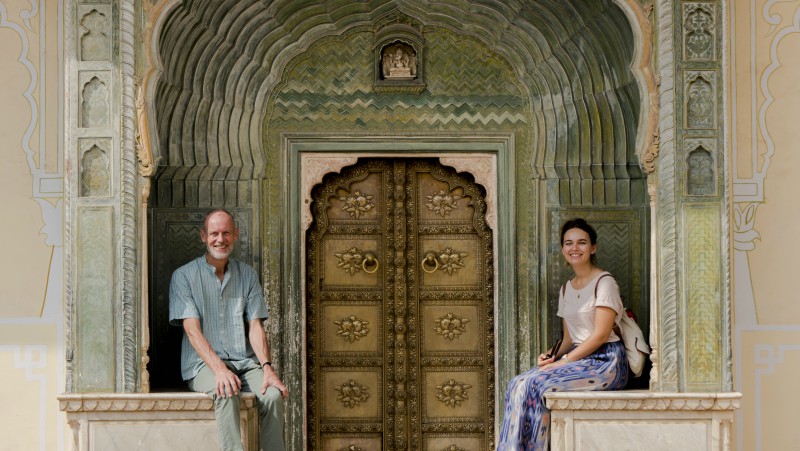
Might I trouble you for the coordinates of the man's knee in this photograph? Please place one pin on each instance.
(271, 399)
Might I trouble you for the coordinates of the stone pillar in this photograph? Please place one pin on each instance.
(691, 321)
(100, 190)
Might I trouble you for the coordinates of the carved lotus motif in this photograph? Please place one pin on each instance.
(357, 203)
(350, 260)
(451, 260)
(352, 448)
(351, 393)
(443, 202)
(352, 328)
(450, 326)
(453, 448)
(452, 393)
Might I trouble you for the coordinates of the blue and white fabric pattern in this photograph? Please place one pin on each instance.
(526, 421)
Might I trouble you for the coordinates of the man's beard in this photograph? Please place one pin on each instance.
(220, 254)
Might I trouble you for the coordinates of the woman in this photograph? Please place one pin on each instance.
(591, 356)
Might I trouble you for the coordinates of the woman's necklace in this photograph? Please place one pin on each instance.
(582, 286)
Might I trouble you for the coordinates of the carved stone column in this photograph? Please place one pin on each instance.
(101, 286)
(691, 321)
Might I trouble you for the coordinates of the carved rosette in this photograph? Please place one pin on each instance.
(450, 326)
(351, 448)
(351, 393)
(453, 448)
(352, 328)
(442, 203)
(451, 260)
(350, 260)
(357, 204)
(452, 393)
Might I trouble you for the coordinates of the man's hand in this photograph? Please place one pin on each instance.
(228, 384)
(272, 380)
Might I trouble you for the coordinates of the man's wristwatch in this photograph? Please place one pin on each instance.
(266, 363)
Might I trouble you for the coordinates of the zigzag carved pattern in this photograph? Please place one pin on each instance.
(615, 253)
(468, 88)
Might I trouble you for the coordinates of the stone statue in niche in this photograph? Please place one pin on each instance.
(94, 41)
(94, 108)
(94, 173)
(399, 62)
(700, 177)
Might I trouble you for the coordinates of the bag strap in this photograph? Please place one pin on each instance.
(607, 274)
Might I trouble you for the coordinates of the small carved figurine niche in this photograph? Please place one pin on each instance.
(700, 179)
(398, 51)
(398, 62)
(95, 43)
(95, 179)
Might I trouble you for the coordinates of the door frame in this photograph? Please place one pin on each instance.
(307, 157)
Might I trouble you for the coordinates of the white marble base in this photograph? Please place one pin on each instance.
(159, 421)
(641, 420)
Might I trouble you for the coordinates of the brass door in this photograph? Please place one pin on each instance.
(400, 311)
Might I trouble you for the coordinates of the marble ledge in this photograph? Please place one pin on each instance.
(643, 401)
(139, 402)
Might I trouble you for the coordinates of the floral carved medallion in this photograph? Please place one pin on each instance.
(350, 260)
(451, 260)
(351, 448)
(352, 328)
(453, 448)
(452, 393)
(443, 202)
(351, 393)
(357, 203)
(450, 326)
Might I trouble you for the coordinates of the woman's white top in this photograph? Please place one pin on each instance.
(577, 307)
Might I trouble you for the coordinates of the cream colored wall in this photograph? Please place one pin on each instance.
(31, 273)
(765, 123)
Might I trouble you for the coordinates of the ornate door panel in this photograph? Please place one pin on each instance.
(400, 311)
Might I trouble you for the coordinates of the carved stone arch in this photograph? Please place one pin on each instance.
(248, 128)
(237, 123)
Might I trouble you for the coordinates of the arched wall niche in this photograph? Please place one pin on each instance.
(211, 97)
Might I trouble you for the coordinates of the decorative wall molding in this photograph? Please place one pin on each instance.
(129, 200)
(664, 375)
(752, 189)
(141, 402)
(624, 400)
(45, 184)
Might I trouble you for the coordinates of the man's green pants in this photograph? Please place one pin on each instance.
(226, 410)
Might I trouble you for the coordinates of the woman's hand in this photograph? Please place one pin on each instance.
(554, 364)
(544, 360)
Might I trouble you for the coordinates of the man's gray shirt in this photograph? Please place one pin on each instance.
(224, 309)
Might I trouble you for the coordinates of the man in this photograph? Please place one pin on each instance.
(219, 303)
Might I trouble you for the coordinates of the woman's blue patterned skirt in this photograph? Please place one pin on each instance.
(526, 421)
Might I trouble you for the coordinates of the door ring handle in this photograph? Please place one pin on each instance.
(370, 260)
(426, 263)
